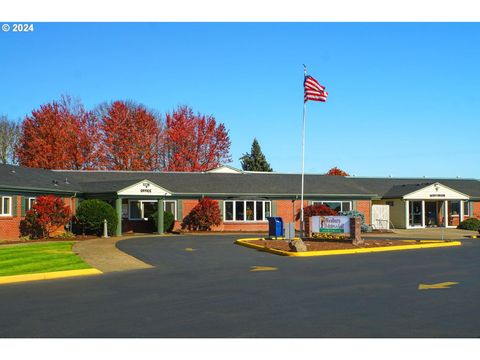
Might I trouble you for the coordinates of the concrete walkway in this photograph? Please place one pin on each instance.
(423, 234)
(104, 255)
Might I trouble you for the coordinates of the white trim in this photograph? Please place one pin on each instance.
(234, 211)
(333, 201)
(426, 193)
(142, 209)
(155, 190)
(10, 213)
(29, 204)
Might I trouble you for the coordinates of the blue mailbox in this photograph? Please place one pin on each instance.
(275, 227)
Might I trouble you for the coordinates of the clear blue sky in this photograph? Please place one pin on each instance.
(404, 98)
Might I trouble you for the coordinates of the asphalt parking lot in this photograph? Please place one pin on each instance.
(203, 286)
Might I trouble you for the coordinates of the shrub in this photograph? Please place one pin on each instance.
(90, 215)
(168, 220)
(203, 216)
(65, 235)
(48, 214)
(354, 213)
(470, 224)
(316, 210)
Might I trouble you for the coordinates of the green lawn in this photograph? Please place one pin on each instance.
(40, 257)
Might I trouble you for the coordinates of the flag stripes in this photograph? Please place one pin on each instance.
(313, 90)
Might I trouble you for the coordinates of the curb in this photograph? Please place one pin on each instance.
(425, 244)
(47, 275)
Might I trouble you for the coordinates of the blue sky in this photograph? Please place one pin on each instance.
(404, 98)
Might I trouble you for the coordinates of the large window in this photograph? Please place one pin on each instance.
(6, 206)
(336, 205)
(143, 209)
(246, 210)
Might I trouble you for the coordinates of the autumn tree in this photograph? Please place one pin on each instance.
(48, 214)
(59, 135)
(336, 172)
(203, 216)
(129, 137)
(316, 210)
(255, 160)
(9, 137)
(195, 142)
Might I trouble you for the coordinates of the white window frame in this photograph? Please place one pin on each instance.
(30, 202)
(10, 212)
(142, 212)
(234, 213)
(466, 206)
(333, 201)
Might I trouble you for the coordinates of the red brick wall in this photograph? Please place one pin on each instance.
(476, 209)
(365, 206)
(286, 211)
(10, 225)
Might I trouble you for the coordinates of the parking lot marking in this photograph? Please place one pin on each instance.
(189, 249)
(442, 285)
(263, 268)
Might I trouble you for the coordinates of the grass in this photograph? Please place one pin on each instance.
(37, 258)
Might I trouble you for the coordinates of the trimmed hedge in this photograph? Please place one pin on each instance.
(168, 220)
(470, 224)
(90, 215)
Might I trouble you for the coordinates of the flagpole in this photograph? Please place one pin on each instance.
(303, 157)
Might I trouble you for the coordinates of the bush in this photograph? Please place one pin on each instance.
(168, 220)
(470, 224)
(203, 216)
(90, 215)
(316, 210)
(354, 213)
(48, 214)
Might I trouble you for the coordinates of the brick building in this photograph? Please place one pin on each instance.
(245, 198)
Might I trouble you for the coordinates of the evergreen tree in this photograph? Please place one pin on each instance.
(255, 160)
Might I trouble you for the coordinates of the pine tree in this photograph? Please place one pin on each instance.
(255, 160)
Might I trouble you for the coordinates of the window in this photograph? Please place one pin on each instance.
(246, 210)
(466, 208)
(6, 206)
(454, 207)
(144, 209)
(29, 203)
(336, 205)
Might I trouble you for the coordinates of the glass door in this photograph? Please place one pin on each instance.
(431, 215)
(415, 213)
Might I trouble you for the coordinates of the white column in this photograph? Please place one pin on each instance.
(423, 213)
(407, 218)
(461, 211)
(445, 216)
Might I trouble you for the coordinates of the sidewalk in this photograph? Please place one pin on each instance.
(423, 234)
(103, 254)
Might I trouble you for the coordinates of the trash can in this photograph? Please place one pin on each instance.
(275, 226)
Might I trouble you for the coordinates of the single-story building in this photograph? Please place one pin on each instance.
(245, 198)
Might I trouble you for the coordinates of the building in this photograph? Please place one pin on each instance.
(245, 198)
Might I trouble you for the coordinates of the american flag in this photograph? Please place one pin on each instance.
(313, 90)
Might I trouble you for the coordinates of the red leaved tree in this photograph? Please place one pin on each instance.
(203, 216)
(316, 210)
(47, 215)
(336, 172)
(130, 137)
(59, 135)
(195, 142)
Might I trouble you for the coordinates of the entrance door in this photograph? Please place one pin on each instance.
(415, 213)
(431, 213)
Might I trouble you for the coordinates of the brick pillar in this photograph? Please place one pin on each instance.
(307, 227)
(356, 230)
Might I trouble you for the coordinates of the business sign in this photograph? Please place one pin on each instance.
(144, 187)
(331, 224)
